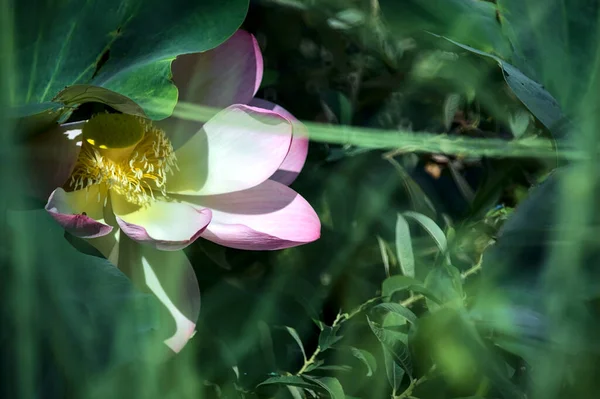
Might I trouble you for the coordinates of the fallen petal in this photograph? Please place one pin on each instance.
(79, 212)
(239, 148)
(266, 217)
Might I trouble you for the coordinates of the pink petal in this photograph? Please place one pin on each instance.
(266, 217)
(50, 158)
(226, 75)
(296, 157)
(68, 209)
(166, 225)
(238, 148)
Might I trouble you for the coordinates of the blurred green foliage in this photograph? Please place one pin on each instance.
(440, 273)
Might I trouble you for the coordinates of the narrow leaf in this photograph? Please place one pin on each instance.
(384, 255)
(287, 380)
(446, 283)
(519, 122)
(399, 310)
(331, 385)
(351, 16)
(315, 365)
(393, 321)
(296, 392)
(396, 343)
(418, 198)
(333, 367)
(319, 323)
(395, 284)
(404, 250)
(461, 183)
(431, 227)
(296, 337)
(328, 337)
(366, 358)
(451, 105)
(395, 374)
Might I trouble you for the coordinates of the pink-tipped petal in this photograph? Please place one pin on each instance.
(166, 225)
(79, 212)
(238, 148)
(266, 217)
(50, 158)
(296, 157)
(226, 75)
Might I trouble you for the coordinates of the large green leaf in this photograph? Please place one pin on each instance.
(531, 93)
(123, 45)
(514, 269)
(556, 42)
(79, 313)
(469, 21)
(79, 94)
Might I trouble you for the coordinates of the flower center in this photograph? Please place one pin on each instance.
(126, 153)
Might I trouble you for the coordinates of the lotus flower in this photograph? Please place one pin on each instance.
(226, 183)
(166, 184)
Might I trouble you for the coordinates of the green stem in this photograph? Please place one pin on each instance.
(415, 383)
(339, 319)
(343, 317)
(310, 361)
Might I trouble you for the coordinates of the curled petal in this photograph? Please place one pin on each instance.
(50, 158)
(80, 212)
(296, 156)
(166, 225)
(226, 75)
(238, 148)
(266, 217)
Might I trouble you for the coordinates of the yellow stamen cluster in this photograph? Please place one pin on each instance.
(136, 169)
